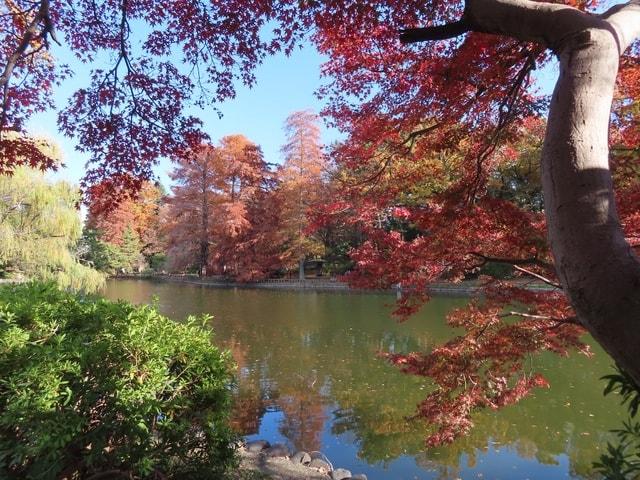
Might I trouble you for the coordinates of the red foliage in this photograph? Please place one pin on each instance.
(138, 212)
(133, 111)
(222, 216)
(469, 100)
(429, 127)
(23, 151)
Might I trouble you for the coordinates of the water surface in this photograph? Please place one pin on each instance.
(308, 376)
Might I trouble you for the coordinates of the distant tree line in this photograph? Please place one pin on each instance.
(229, 212)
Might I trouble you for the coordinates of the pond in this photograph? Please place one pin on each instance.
(308, 376)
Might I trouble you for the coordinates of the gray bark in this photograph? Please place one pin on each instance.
(597, 268)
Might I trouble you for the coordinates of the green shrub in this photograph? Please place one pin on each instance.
(90, 386)
(622, 460)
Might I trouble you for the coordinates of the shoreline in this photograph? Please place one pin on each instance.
(468, 288)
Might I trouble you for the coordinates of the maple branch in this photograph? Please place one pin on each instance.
(559, 321)
(513, 261)
(539, 277)
(413, 136)
(506, 114)
(440, 32)
(30, 34)
(408, 144)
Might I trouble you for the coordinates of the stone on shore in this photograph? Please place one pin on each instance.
(301, 457)
(340, 474)
(257, 446)
(320, 465)
(277, 450)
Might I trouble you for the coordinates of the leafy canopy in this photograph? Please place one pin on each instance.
(400, 105)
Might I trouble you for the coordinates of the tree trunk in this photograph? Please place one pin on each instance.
(301, 269)
(204, 232)
(597, 268)
(204, 255)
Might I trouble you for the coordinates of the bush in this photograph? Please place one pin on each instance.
(622, 460)
(91, 386)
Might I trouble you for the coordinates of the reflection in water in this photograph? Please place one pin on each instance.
(308, 375)
(304, 416)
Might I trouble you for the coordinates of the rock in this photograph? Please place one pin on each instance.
(340, 474)
(257, 446)
(277, 450)
(238, 444)
(320, 465)
(359, 476)
(301, 457)
(319, 455)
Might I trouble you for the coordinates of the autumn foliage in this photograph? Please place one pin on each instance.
(435, 179)
(221, 211)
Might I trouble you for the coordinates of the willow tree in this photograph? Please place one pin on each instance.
(39, 230)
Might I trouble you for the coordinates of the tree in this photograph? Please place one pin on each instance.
(39, 230)
(188, 218)
(222, 216)
(301, 185)
(245, 224)
(579, 201)
(123, 236)
(128, 256)
(133, 111)
(471, 81)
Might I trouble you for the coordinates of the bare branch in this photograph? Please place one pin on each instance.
(30, 35)
(557, 320)
(539, 277)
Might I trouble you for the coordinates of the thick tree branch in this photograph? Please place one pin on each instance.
(625, 20)
(441, 32)
(561, 321)
(30, 35)
(539, 277)
(598, 269)
(548, 24)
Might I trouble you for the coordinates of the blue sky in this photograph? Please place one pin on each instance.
(284, 85)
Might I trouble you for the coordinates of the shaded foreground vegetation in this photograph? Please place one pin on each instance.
(622, 459)
(93, 388)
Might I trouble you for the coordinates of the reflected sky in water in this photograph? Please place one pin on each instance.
(308, 376)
